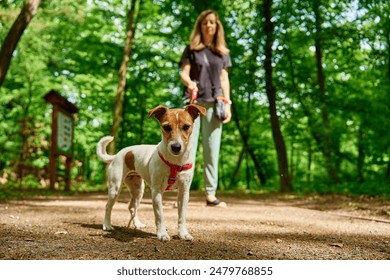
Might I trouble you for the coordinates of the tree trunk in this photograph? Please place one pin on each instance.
(120, 92)
(292, 166)
(326, 130)
(15, 33)
(238, 166)
(361, 155)
(387, 34)
(309, 161)
(123, 124)
(26, 132)
(248, 147)
(285, 180)
(388, 171)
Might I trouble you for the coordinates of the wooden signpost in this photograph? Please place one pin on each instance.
(61, 135)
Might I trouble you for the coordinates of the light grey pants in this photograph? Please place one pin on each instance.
(211, 129)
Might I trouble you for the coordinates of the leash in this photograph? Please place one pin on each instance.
(174, 170)
(194, 96)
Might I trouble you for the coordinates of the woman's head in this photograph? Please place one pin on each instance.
(208, 30)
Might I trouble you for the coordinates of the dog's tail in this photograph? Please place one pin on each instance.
(101, 149)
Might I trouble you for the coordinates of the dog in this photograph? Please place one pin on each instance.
(163, 166)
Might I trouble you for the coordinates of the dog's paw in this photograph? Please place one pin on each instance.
(186, 236)
(107, 227)
(163, 237)
(139, 225)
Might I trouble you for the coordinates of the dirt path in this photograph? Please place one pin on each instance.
(263, 228)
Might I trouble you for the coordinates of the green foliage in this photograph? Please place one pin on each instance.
(75, 47)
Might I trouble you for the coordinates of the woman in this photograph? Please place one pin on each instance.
(204, 65)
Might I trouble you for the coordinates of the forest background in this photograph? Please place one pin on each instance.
(310, 85)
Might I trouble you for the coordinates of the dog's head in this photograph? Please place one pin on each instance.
(177, 125)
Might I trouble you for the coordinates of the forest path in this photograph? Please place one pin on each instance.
(317, 227)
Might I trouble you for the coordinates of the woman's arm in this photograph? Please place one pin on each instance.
(185, 78)
(225, 85)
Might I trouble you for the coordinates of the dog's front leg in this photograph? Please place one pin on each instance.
(161, 229)
(182, 202)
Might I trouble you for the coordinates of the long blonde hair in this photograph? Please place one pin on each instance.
(218, 44)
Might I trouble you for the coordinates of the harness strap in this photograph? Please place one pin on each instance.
(174, 170)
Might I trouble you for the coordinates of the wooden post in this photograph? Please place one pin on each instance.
(68, 164)
(53, 148)
(61, 137)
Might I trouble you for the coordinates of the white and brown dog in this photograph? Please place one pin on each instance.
(162, 166)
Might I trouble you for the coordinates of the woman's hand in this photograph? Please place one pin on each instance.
(228, 113)
(192, 86)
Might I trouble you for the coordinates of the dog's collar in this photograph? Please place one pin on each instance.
(174, 170)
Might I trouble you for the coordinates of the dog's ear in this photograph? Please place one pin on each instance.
(194, 110)
(158, 112)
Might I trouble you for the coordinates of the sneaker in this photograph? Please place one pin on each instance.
(216, 203)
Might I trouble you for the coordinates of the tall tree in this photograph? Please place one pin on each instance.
(121, 88)
(326, 138)
(285, 179)
(15, 33)
(248, 148)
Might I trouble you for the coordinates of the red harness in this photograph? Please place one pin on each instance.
(174, 170)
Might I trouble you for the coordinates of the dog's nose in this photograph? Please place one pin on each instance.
(176, 147)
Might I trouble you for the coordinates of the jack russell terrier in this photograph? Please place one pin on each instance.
(162, 166)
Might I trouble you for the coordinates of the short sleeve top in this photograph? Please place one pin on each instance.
(206, 68)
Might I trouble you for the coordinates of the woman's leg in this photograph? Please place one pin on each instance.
(211, 129)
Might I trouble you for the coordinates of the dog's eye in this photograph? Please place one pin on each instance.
(186, 127)
(167, 128)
